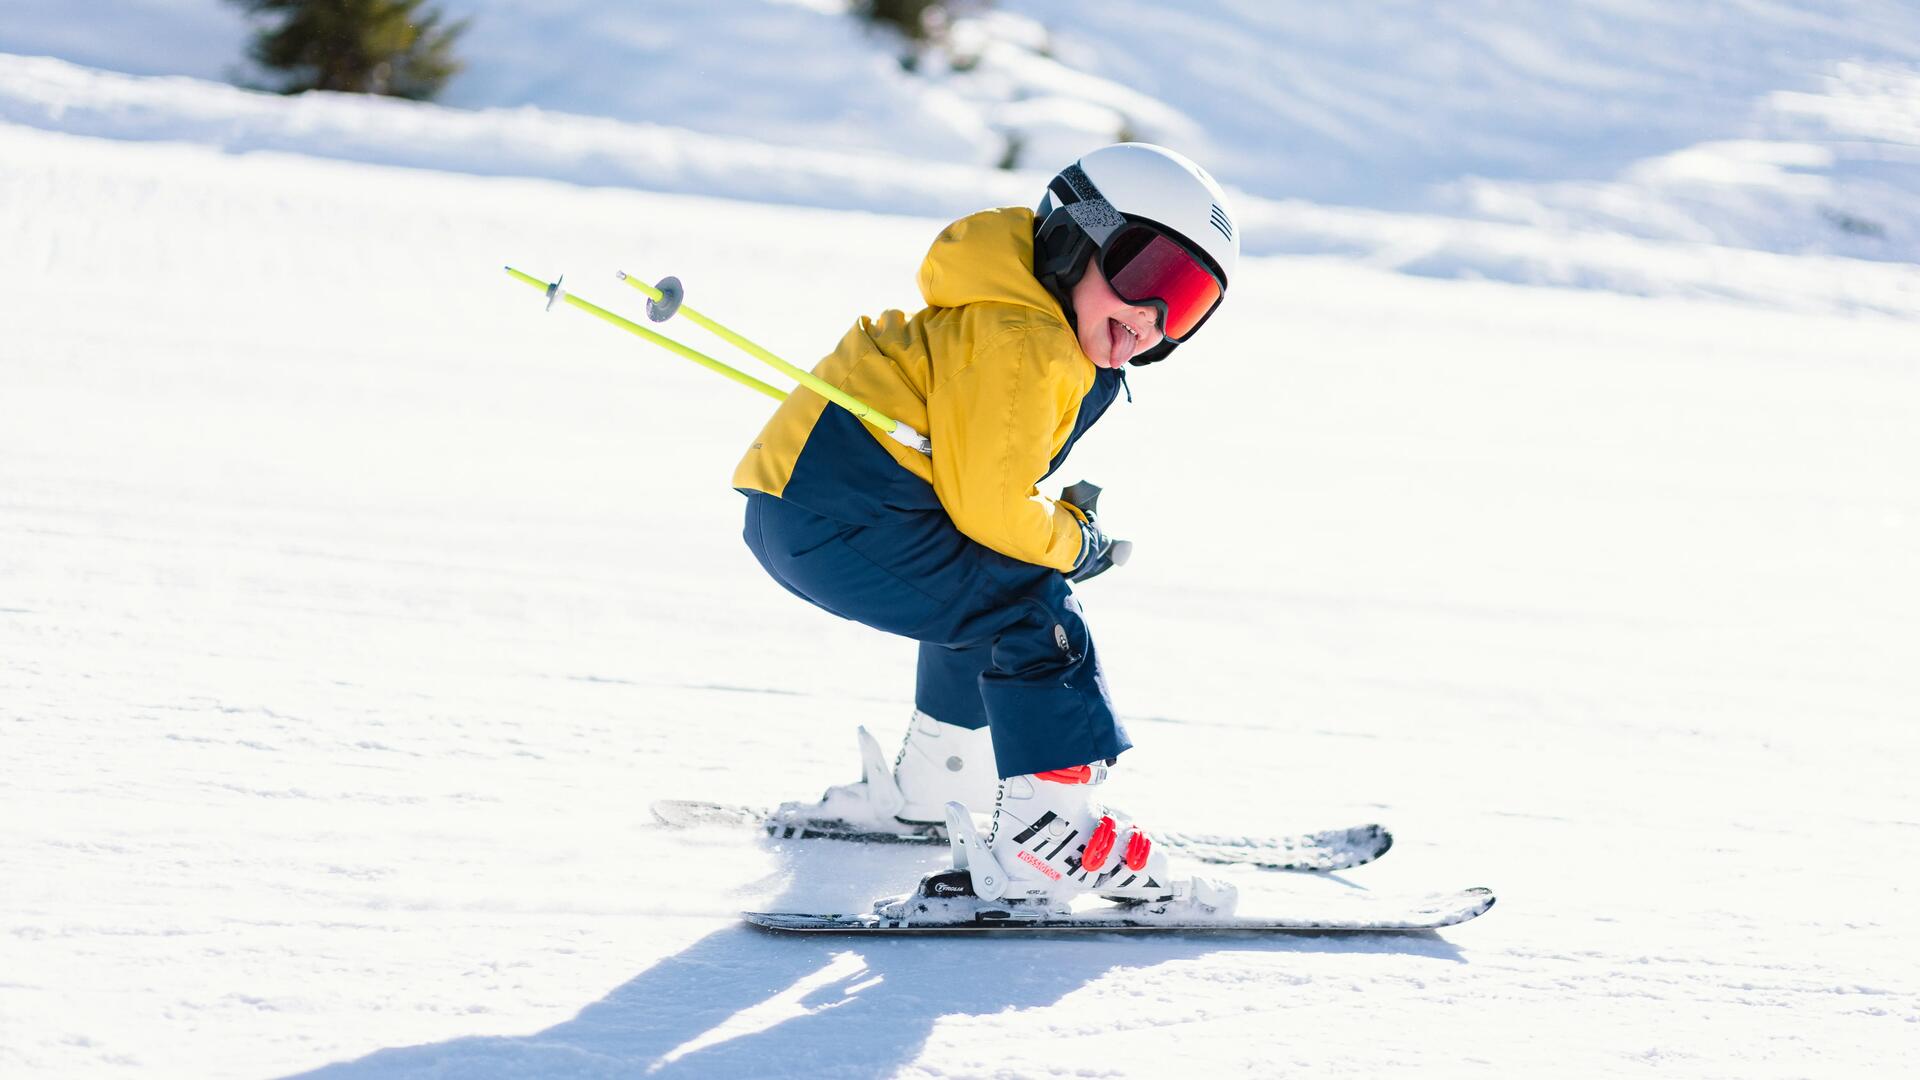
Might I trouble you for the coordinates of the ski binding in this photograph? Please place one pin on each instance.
(872, 822)
(977, 895)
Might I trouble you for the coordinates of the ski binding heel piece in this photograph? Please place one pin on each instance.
(970, 853)
(861, 810)
(882, 790)
(946, 900)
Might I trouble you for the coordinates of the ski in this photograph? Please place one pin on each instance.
(979, 894)
(1320, 852)
(1330, 915)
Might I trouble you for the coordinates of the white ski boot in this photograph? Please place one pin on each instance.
(1032, 876)
(1054, 837)
(937, 764)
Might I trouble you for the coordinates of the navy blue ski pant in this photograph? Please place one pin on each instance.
(1002, 642)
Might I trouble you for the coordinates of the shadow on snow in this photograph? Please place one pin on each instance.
(747, 1002)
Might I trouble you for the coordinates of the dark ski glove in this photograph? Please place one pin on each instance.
(1099, 552)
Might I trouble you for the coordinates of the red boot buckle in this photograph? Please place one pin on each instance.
(1099, 845)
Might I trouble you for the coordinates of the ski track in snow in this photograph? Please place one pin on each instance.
(352, 610)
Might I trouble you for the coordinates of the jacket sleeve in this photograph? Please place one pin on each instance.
(995, 426)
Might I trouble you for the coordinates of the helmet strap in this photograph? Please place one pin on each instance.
(1061, 253)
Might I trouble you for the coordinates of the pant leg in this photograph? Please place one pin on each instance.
(948, 684)
(1046, 695)
(1041, 690)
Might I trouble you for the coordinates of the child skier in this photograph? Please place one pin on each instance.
(1030, 318)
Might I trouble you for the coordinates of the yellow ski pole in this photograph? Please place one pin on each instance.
(666, 300)
(556, 293)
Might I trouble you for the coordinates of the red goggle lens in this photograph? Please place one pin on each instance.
(1142, 264)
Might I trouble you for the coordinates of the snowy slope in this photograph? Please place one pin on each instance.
(56, 95)
(352, 610)
(1782, 127)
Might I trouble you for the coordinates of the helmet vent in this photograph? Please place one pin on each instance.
(1221, 221)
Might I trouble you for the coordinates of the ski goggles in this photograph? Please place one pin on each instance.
(1148, 267)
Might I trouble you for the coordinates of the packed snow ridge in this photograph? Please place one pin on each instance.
(1711, 130)
(1540, 246)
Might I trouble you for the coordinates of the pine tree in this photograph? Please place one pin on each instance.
(917, 19)
(357, 46)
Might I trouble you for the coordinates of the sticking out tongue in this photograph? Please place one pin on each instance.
(1123, 342)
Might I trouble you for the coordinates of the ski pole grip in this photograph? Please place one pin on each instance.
(1083, 495)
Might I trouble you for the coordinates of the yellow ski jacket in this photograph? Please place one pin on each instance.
(990, 370)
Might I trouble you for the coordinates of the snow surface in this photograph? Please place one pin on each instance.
(48, 93)
(353, 609)
(1782, 127)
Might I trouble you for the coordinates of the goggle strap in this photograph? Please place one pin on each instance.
(1097, 217)
(1073, 185)
(1083, 202)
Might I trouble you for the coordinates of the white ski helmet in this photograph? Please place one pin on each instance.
(1159, 225)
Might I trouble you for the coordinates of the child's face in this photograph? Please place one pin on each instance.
(1111, 330)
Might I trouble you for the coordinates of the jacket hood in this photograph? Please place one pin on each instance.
(986, 257)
